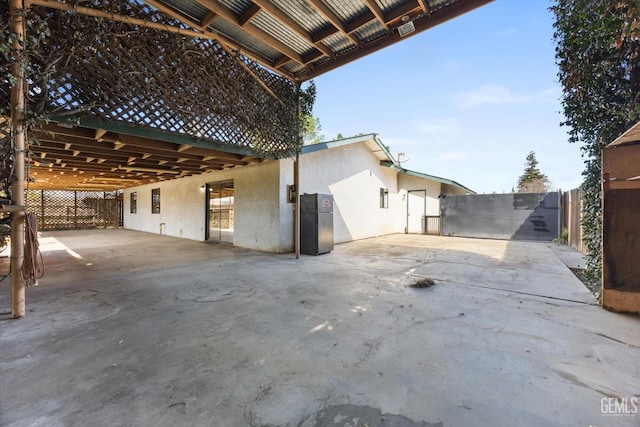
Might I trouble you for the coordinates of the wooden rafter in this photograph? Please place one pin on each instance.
(254, 31)
(321, 8)
(375, 9)
(69, 157)
(424, 7)
(293, 26)
(290, 62)
(202, 33)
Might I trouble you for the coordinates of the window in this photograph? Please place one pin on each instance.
(134, 202)
(384, 198)
(155, 201)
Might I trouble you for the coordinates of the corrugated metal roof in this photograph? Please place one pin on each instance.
(347, 10)
(371, 31)
(274, 28)
(435, 5)
(226, 28)
(348, 28)
(389, 5)
(339, 43)
(300, 11)
(189, 9)
(292, 67)
(237, 6)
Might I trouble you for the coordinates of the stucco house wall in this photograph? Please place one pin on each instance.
(353, 175)
(350, 170)
(433, 190)
(183, 205)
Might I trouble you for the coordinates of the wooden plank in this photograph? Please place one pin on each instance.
(621, 162)
(11, 208)
(621, 249)
(620, 301)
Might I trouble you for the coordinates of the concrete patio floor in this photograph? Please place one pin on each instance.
(135, 329)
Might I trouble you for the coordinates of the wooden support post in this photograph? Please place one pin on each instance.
(18, 132)
(296, 179)
(296, 215)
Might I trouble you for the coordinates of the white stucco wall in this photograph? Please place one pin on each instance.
(182, 208)
(257, 207)
(264, 218)
(433, 189)
(183, 204)
(353, 175)
(286, 209)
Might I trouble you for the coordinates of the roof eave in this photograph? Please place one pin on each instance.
(441, 180)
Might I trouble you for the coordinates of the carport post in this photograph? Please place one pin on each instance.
(296, 215)
(16, 8)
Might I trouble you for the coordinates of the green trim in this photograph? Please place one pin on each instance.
(397, 168)
(337, 143)
(158, 135)
(306, 149)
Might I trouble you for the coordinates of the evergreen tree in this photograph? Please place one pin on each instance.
(598, 56)
(532, 180)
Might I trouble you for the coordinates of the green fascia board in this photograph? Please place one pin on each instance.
(347, 141)
(159, 135)
(427, 176)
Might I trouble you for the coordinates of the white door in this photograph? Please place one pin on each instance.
(416, 206)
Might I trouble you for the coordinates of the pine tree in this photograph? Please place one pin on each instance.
(532, 180)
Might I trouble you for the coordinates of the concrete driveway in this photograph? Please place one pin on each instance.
(134, 329)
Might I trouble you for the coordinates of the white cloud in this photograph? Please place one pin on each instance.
(492, 94)
(440, 127)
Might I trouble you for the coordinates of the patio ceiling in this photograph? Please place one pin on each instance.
(79, 158)
(301, 39)
(296, 39)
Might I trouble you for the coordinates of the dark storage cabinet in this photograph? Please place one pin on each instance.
(316, 224)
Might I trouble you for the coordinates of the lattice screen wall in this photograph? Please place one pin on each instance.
(149, 78)
(75, 210)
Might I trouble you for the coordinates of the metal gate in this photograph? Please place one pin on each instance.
(532, 216)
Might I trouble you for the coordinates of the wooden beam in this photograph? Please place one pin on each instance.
(208, 35)
(235, 20)
(207, 20)
(425, 7)
(11, 208)
(375, 9)
(293, 26)
(438, 17)
(211, 15)
(359, 22)
(321, 8)
(248, 14)
(99, 134)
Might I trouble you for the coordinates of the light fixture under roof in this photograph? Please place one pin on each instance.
(407, 27)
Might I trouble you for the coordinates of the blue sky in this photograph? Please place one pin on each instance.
(466, 100)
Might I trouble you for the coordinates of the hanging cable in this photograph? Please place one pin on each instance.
(33, 264)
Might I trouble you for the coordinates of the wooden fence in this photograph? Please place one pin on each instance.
(572, 218)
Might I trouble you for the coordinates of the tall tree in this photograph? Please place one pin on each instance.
(532, 180)
(311, 130)
(597, 53)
